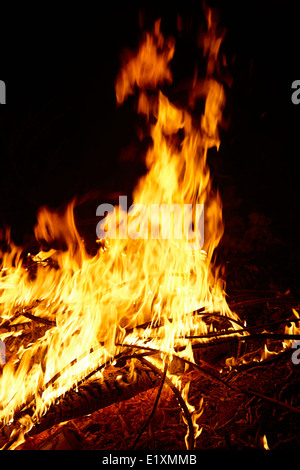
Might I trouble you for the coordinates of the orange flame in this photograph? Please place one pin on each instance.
(149, 67)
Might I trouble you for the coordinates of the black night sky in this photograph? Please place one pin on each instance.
(62, 135)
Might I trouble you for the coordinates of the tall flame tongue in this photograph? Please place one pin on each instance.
(179, 279)
(86, 303)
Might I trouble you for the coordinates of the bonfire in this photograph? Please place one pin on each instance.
(149, 310)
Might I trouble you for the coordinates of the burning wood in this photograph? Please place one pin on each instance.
(116, 385)
(143, 295)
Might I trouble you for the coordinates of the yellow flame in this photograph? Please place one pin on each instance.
(294, 329)
(265, 443)
(87, 304)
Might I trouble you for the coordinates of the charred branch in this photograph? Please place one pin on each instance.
(117, 385)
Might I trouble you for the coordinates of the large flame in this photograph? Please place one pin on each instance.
(88, 305)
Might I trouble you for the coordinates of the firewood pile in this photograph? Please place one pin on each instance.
(230, 420)
(252, 402)
(241, 405)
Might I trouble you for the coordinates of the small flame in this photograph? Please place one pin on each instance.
(294, 329)
(265, 443)
(266, 354)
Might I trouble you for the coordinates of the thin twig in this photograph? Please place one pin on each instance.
(277, 336)
(186, 361)
(158, 395)
(201, 312)
(248, 328)
(258, 364)
(25, 312)
(183, 406)
(279, 403)
(45, 321)
(244, 338)
(266, 300)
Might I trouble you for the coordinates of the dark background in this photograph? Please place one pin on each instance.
(62, 135)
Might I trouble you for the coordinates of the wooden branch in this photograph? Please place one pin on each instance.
(117, 386)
